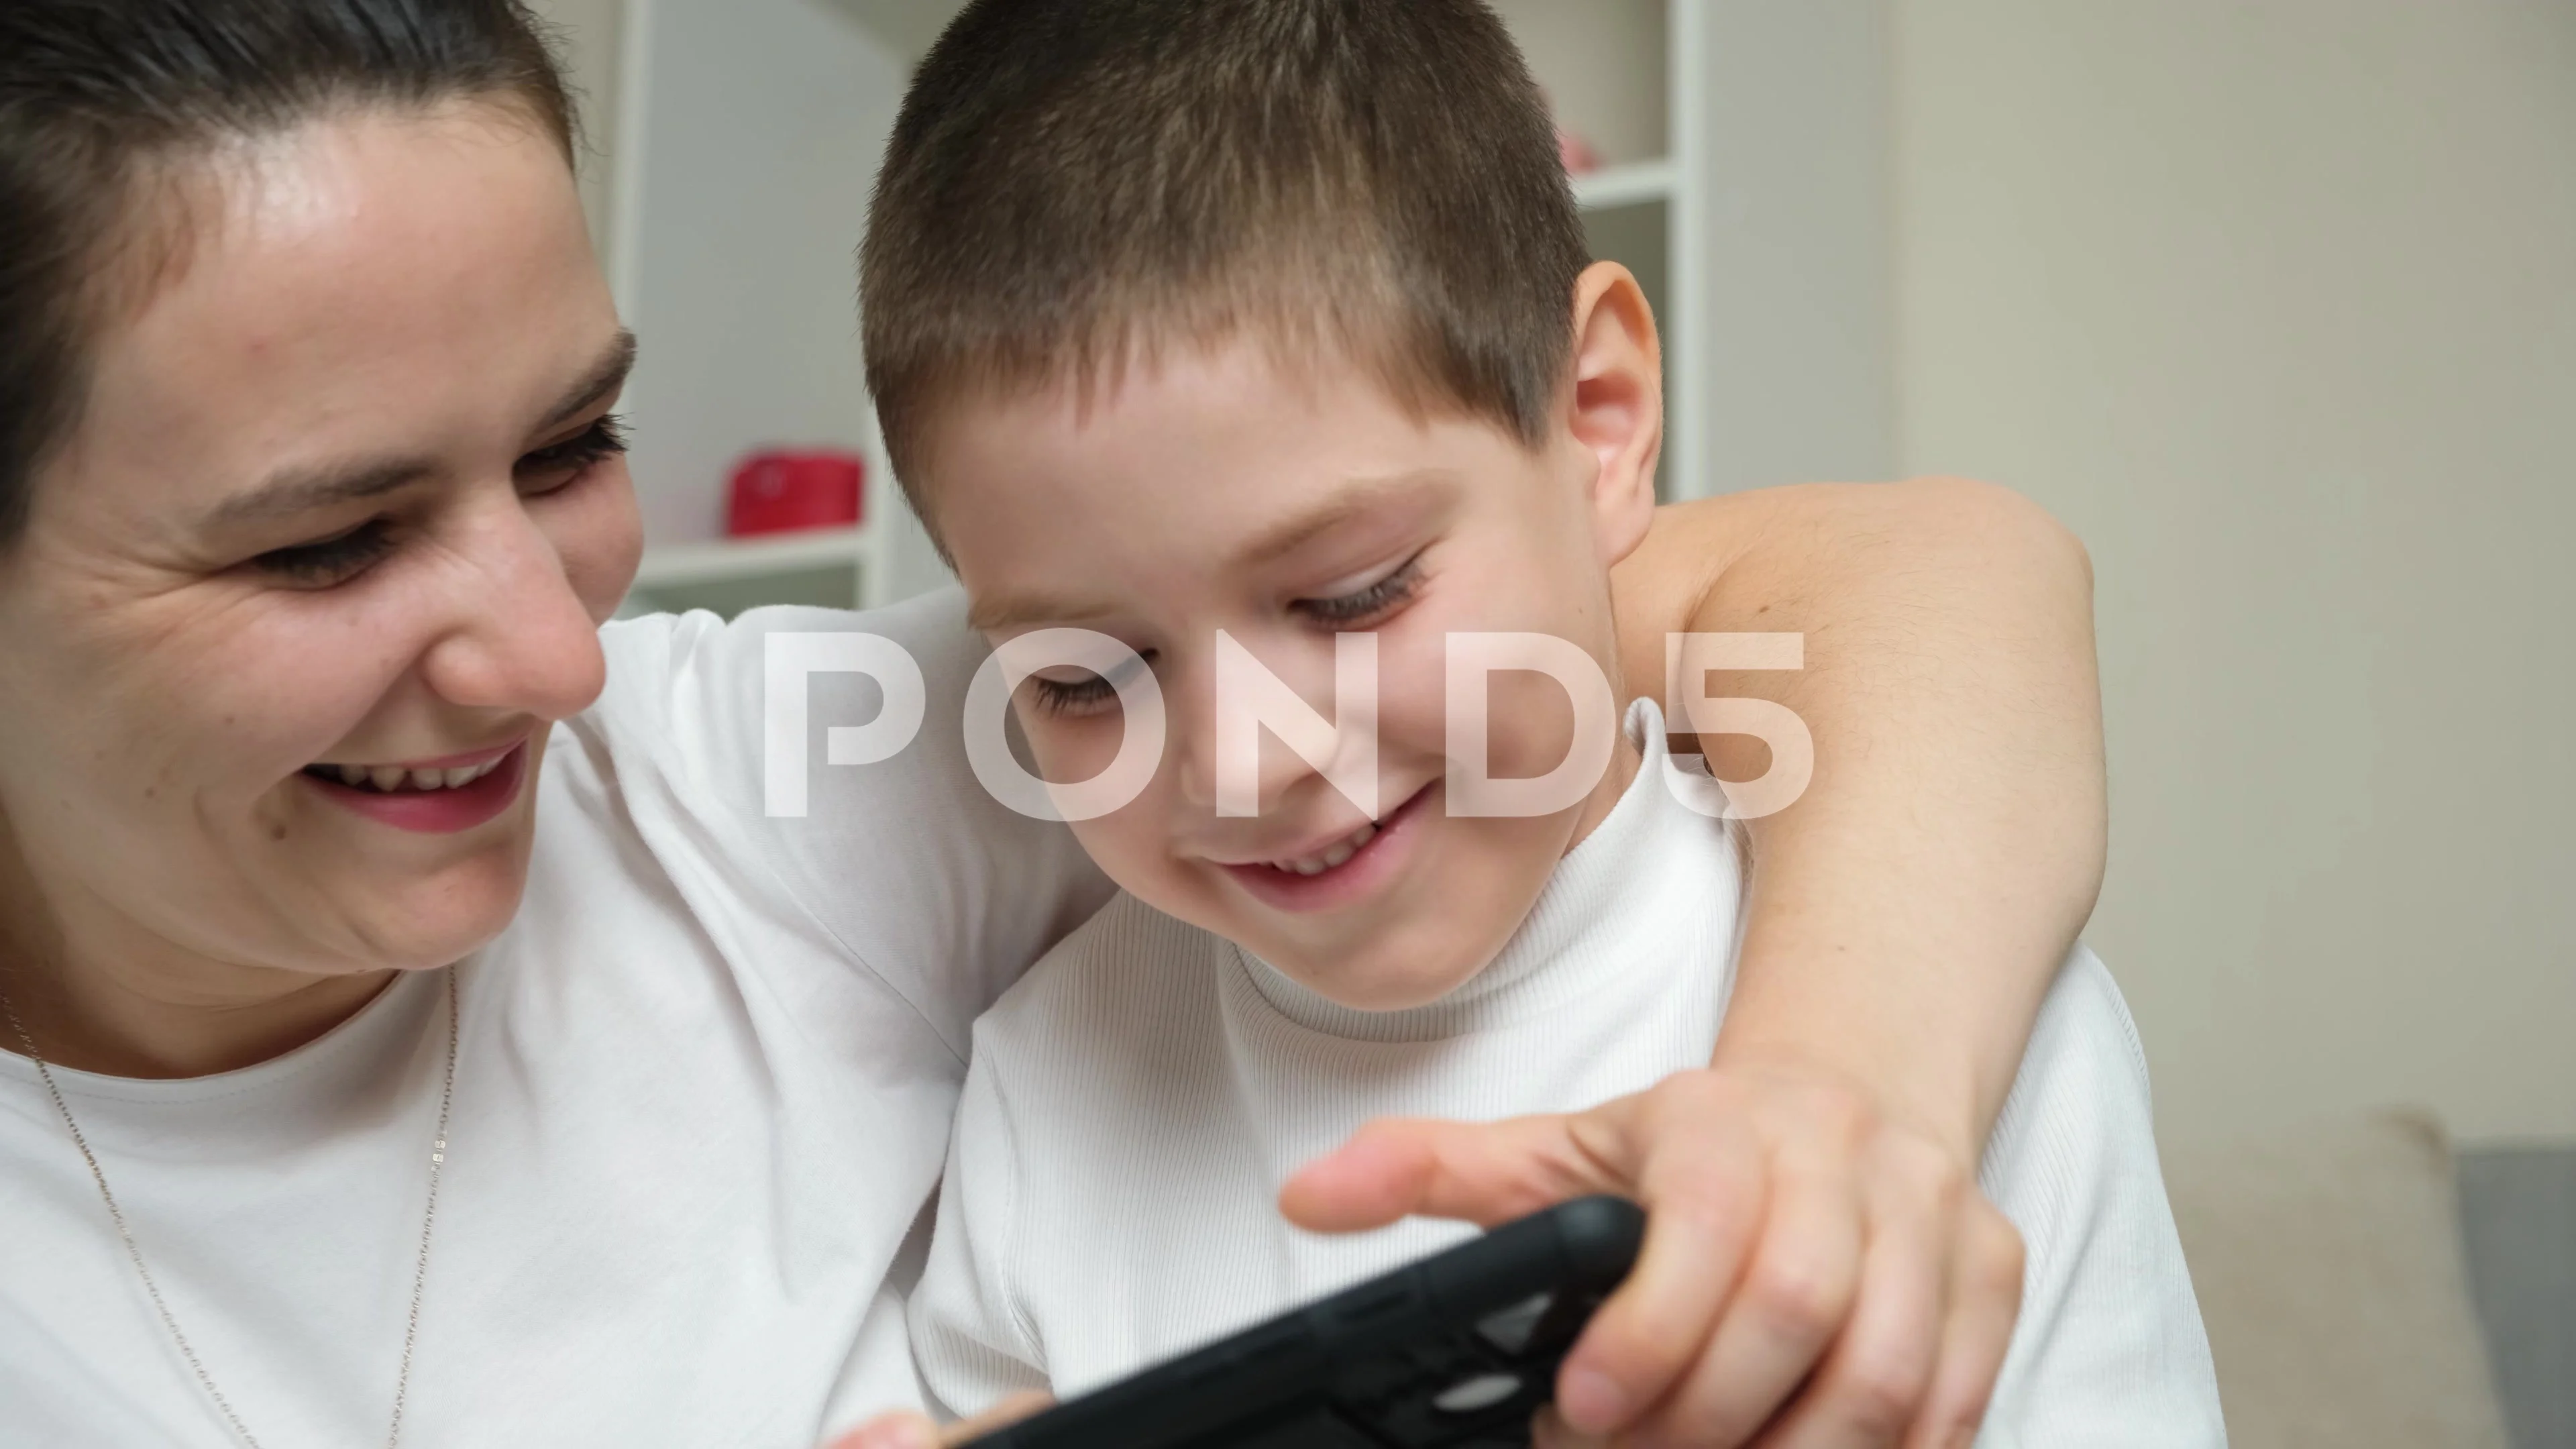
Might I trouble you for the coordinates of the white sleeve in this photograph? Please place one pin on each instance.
(970, 1339)
(910, 866)
(2109, 1350)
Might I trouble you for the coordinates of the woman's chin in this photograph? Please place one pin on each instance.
(416, 924)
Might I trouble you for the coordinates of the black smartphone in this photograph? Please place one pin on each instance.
(1458, 1349)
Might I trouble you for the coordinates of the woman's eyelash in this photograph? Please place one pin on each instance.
(1346, 609)
(603, 440)
(344, 556)
(331, 560)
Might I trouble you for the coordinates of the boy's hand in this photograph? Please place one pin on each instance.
(916, 1431)
(1815, 1272)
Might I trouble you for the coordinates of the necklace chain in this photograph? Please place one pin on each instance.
(116, 1215)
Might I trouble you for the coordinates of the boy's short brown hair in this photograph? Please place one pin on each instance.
(1075, 184)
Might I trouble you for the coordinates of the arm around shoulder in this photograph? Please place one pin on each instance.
(1909, 909)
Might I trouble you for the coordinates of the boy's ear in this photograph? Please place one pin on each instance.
(1617, 412)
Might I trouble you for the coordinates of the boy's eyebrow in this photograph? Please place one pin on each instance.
(1009, 611)
(1356, 497)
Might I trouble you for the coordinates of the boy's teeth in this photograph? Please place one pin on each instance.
(1334, 854)
(387, 777)
(353, 774)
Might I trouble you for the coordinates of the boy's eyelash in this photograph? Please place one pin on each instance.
(1345, 610)
(1078, 696)
(1063, 697)
(332, 560)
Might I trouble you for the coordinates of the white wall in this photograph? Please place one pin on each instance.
(762, 123)
(2275, 303)
(1798, 309)
(1602, 65)
(591, 32)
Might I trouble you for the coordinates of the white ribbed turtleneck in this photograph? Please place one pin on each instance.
(1134, 1103)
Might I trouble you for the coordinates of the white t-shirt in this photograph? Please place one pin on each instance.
(1134, 1104)
(702, 1095)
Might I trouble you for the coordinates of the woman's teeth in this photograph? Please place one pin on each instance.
(1334, 854)
(395, 777)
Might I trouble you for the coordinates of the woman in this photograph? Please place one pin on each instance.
(414, 1024)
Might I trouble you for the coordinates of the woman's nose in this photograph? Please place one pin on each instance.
(519, 637)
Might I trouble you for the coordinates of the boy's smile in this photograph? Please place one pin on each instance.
(1344, 871)
(1217, 489)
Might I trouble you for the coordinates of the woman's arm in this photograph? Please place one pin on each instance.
(1909, 911)
(1820, 1261)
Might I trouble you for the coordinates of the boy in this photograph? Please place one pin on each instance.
(1309, 350)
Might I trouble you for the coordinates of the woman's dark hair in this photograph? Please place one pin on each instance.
(95, 93)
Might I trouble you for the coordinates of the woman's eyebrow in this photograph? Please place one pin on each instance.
(297, 490)
(606, 376)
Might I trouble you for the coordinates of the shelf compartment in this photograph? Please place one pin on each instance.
(1634, 184)
(817, 585)
(727, 560)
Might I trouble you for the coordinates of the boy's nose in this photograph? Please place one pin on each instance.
(1251, 737)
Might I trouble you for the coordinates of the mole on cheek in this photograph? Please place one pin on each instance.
(277, 832)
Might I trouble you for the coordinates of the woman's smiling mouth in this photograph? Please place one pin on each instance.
(436, 797)
(388, 778)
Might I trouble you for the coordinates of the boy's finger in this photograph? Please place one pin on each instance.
(1790, 1303)
(1548, 1431)
(1012, 1409)
(892, 1431)
(916, 1431)
(1703, 1210)
(1483, 1173)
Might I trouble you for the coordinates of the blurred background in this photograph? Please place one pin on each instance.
(2272, 301)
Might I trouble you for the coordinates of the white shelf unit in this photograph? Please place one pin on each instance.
(1748, 153)
(1621, 75)
(1633, 184)
(685, 564)
(736, 139)
(840, 568)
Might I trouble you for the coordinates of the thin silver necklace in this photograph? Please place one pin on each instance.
(116, 1215)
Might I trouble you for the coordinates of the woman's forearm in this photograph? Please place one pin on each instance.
(1907, 913)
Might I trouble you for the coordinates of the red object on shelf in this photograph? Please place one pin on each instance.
(1576, 153)
(778, 492)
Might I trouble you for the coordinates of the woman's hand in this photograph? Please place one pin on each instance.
(1815, 1272)
(916, 1431)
